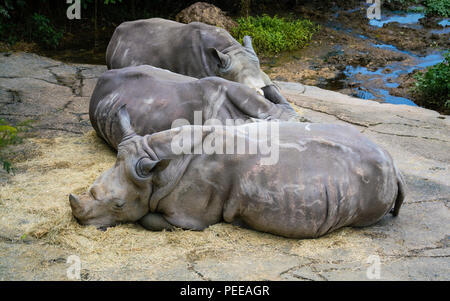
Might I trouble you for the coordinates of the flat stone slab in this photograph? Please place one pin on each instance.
(37, 232)
(53, 95)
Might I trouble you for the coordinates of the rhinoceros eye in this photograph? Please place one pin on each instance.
(144, 167)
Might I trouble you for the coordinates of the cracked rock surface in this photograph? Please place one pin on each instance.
(413, 246)
(54, 95)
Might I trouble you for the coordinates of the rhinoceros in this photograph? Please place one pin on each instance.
(195, 49)
(326, 177)
(155, 98)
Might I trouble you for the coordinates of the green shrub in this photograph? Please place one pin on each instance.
(6, 28)
(433, 86)
(10, 135)
(273, 35)
(44, 32)
(432, 7)
(438, 7)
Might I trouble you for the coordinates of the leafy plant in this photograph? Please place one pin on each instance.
(433, 86)
(9, 5)
(432, 7)
(4, 12)
(438, 7)
(7, 27)
(10, 135)
(111, 1)
(86, 3)
(45, 32)
(273, 34)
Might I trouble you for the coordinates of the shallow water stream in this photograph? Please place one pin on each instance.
(362, 62)
(386, 77)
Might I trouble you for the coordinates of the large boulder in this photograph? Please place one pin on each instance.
(206, 13)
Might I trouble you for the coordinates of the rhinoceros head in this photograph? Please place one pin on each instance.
(242, 66)
(121, 193)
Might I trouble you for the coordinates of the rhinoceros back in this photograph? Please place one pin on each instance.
(340, 178)
(129, 86)
(181, 48)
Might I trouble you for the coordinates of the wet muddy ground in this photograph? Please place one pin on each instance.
(368, 59)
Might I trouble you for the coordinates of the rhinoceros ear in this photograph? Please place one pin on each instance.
(144, 167)
(223, 60)
(124, 123)
(247, 43)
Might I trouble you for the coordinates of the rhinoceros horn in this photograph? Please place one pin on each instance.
(124, 123)
(247, 41)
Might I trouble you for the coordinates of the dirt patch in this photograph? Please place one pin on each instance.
(19, 46)
(418, 40)
(351, 56)
(328, 55)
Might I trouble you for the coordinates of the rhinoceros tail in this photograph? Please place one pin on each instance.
(401, 194)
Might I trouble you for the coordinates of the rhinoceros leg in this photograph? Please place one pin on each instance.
(257, 106)
(155, 222)
(272, 93)
(250, 103)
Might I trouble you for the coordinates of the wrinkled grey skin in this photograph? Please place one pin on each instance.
(156, 97)
(328, 176)
(195, 49)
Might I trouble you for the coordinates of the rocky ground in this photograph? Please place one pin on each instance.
(62, 155)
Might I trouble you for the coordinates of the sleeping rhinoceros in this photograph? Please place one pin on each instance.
(156, 97)
(195, 49)
(326, 177)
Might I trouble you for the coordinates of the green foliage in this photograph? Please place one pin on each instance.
(7, 27)
(9, 5)
(438, 7)
(432, 7)
(86, 3)
(4, 12)
(10, 135)
(44, 32)
(433, 86)
(273, 34)
(112, 1)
